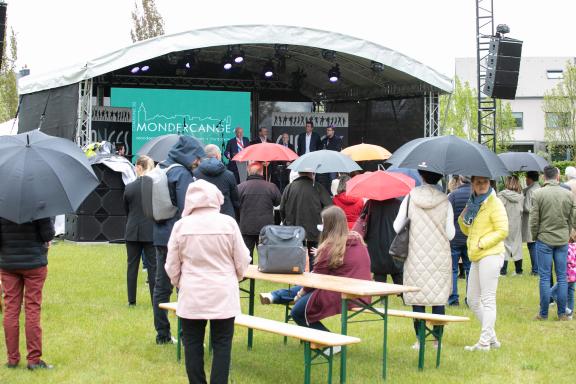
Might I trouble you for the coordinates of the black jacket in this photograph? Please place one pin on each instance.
(231, 151)
(302, 202)
(23, 246)
(215, 172)
(380, 233)
(315, 143)
(138, 227)
(458, 199)
(333, 144)
(257, 201)
(257, 140)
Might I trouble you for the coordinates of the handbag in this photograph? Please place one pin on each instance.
(281, 250)
(361, 224)
(399, 247)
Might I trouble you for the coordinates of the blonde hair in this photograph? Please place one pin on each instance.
(146, 163)
(512, 183)
(333, 237)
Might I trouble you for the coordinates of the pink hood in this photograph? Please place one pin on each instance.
(202, 194)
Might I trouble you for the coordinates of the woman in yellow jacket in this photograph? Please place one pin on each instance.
(485, 222)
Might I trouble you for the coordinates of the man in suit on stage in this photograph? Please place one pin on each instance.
(262, 136)
(235, 145)
(308, 141)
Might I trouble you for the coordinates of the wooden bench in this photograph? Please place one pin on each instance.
(425, 323)
(317, 344)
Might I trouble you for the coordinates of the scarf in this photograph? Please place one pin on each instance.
(473, 206)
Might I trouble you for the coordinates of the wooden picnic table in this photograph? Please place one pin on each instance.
(351, 290)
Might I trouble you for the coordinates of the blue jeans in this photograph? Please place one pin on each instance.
(533, 258)
(299, 314)
(460, 251)
(285, 296)
(546, 254)
(570, 295)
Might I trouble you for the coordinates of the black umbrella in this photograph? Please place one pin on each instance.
(523, 161)
(42, 176)
(449, 155)
(158, 148)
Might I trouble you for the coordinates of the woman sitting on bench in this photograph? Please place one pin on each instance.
(341, 253)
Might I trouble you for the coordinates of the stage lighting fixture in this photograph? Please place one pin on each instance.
(227, 62)
(280, 50)
(334, 74)
(376, 66)
(239, 57)
(268, 69)
(328, 55)
(145, 68)
(502, 29)
(135, 70)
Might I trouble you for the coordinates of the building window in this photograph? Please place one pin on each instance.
(557, 119)
(555, 74)
(519, 120)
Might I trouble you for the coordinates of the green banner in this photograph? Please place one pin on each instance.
(210, 116)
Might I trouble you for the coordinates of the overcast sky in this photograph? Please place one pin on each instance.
(57, 33)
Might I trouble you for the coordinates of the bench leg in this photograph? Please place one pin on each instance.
(307, 363)
(385, 345)
(179, 340)
(344, 331)
(330, 359)
(422, 341)
(439, 335)
(251, 311)
(286, 319)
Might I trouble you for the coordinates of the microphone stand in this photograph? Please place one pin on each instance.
(222, 144)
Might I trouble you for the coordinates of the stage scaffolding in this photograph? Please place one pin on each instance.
(431, 113)
(84, 124)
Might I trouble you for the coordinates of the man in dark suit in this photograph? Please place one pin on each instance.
(281, 173)
(139, 233)
(331, 142)
(308, 141)
(235, 145)
(262, 136)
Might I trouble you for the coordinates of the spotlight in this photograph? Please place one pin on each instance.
(502, 29)
(376, 66)
(145, 68)
(239, 57)
(334, 74)
(268, 69)
(135, 70)
(187, 65)
(328, 55)
(227, 62)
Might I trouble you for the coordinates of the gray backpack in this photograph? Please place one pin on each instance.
(156, 202)
(281, 250)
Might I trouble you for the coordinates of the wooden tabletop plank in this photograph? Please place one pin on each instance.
(344, 285)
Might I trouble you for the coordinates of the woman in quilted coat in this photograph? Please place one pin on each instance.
(485, 222)
(429, 262)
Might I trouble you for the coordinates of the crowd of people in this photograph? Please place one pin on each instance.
(205, 249)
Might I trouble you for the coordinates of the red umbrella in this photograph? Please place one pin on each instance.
(266, 152)
(380, 185)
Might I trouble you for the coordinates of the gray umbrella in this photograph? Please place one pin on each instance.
(324, 161)
(42, 176)
(449, 155)
(523, 161)
(158, 148)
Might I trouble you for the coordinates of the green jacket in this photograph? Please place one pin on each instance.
(552, 215)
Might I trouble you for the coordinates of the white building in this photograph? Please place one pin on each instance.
(537, 75)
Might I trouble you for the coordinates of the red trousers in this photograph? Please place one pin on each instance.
(23, 284)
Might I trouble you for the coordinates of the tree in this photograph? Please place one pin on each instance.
(459, 116)
(8, 81)
(560, 110)
(147, 23)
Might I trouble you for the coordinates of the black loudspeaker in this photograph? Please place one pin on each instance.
(94, 228)
(3, 7)
(503, 63)
(108, 178)
(103, 202)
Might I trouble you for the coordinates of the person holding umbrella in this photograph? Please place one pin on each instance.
(485, 222)
(429, 262)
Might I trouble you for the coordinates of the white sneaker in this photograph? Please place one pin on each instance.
(495, 344)
(266, 298)
(477, 347)
(568, 312)
(416, 346)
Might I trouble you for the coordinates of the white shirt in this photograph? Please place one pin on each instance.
(308, 139)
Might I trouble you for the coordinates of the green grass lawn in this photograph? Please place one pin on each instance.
(92, 336)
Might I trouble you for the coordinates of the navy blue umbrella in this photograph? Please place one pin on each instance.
(42, 176)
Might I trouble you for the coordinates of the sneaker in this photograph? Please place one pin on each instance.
(266, 298)
(416, 346)
(540, 318)
(454, 304)
(335, 350)
(568, 312)
(477, 347)
(40, 365)
(495, 344)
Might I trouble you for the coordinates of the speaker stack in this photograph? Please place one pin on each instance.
(102, 216)
(503, 63)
